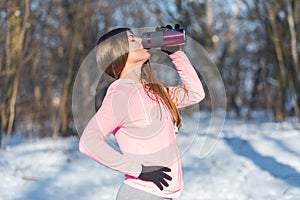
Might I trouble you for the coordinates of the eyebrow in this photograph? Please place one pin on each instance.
(131, 35)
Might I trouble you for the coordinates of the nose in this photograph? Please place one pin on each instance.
(139, 39)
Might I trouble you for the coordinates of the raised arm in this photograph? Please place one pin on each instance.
(191, 91)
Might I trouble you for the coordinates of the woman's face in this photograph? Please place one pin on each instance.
(136, 51)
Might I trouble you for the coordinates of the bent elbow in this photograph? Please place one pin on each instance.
(199, 95)
(81, 146)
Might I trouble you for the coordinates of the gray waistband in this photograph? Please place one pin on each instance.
(127, 192)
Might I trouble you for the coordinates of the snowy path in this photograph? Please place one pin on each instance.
(250, 161)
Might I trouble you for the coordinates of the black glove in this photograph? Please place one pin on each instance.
(155, 174)
(168, 50)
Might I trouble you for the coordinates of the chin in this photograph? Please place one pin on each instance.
(144, 57)
(148, 55)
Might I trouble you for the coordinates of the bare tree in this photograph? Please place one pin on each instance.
(16, 58)
(292, 19)
(43, 44)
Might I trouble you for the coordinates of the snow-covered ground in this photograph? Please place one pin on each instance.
(252, 160)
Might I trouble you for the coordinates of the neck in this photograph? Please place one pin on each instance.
(132, 72)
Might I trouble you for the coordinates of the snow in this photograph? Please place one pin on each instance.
(256, 159)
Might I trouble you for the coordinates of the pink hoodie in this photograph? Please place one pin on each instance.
(143, 129)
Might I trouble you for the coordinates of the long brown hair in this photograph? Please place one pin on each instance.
(112, 51)
(111, 55)
(153, 85)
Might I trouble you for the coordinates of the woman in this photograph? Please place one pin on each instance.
(143, 116)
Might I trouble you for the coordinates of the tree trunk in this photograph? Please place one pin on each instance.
(37, 97)
(70, 55)
(210, 16)
(282, 75)
(293, 34)
(14, 46)
(294, 85)
(12, 106)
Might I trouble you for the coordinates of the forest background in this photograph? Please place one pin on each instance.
(254, 43)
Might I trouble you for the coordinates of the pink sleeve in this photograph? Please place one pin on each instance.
(191, 92)
(92, 142)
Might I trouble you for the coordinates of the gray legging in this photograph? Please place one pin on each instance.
(127, 192)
